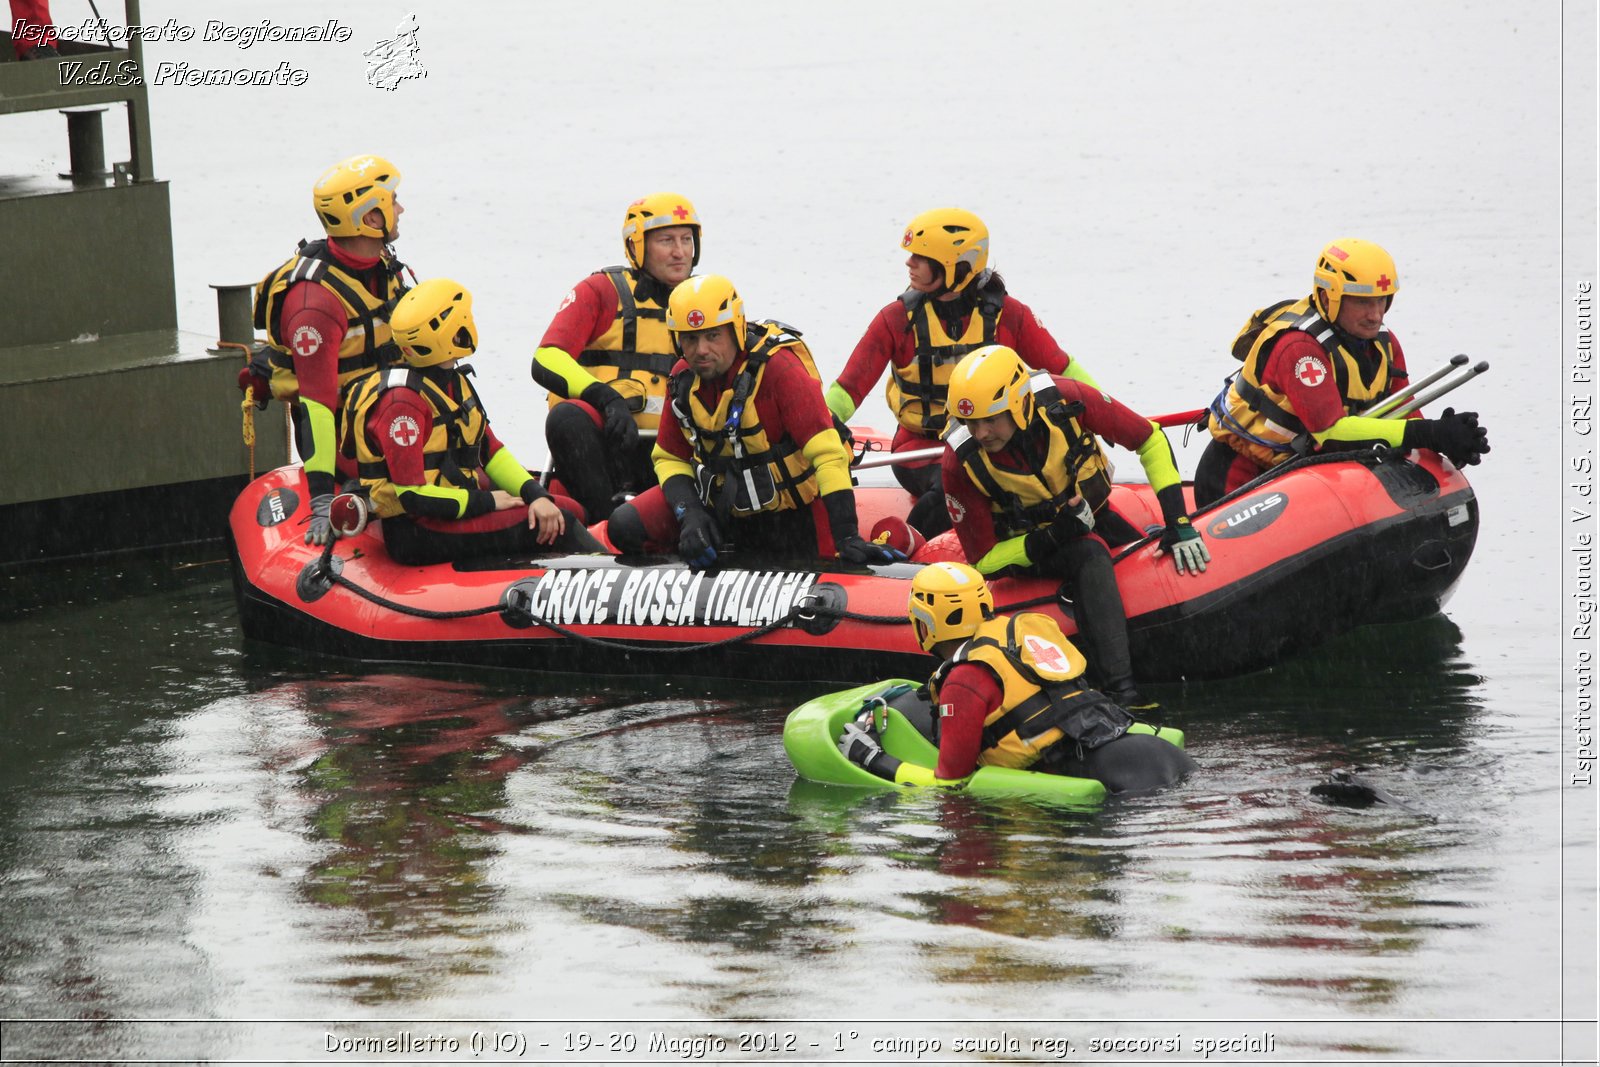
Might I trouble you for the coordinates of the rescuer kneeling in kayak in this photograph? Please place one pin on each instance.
(1010, 693)
(1311, 366)
(750, 455)
(434, 470)
(1027, 487)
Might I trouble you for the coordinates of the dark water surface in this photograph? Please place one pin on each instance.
(194, 829)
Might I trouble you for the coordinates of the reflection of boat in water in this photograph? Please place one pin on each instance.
(1320, 547)
(904, 727)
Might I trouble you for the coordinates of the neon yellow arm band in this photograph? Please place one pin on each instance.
(1009, 553)
(668, 465)
(839, 402)
(458, 497)
(506, 473)
(1363, 428)
(1156, 457)
(324, 438)
(912, 774)
(1078, 373)
(563, 366)
(830, 459)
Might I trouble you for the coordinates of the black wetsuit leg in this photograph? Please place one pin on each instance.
(1211, 473)
(1085, 565)
(928, 515)
(579, 457)
(414, 545)
(1133, 763)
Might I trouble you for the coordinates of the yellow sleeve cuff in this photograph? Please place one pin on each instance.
(1078, 373)
(830, 459)
(558, 363)
(667, 465)
(1156, 457)
(1364, 428)
(324, 438)
(839, 402)
(506, 473)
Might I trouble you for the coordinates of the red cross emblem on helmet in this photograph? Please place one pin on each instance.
(680, 212)
(964, 408)
(306, 340)
(1384, 282)
(695, 319)
(1310, 371)
(905, 242)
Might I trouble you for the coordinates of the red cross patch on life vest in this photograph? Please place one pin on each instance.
(568, 300)
(306, 340)
(404, 431)
(1046, 654)
(952, 505)
(1310, 372)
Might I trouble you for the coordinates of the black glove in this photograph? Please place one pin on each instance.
(847, 540)
(619, 426)
(698, 537)
(699, 540)
(1456, 435)
(1071, 521)
(859, 743)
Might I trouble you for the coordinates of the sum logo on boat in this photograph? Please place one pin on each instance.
(276, 506)
(1251, 516)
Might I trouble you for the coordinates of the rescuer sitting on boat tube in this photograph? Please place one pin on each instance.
(606, 356)
(750, 455)
(432, 466)
(954, 305)
(1310, 366)
(1027, 486)
(326, 314)
(1010, 693)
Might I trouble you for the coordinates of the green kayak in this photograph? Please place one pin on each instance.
(811, 738)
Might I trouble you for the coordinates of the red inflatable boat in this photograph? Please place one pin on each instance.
(1316, 548)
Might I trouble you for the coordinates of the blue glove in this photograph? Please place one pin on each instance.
(1189, 551)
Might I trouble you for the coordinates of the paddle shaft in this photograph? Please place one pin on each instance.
(1382, 408)
(919, 455)
(1429, 397)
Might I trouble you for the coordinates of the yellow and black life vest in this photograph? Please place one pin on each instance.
(368, 344)
(453, 452)
(916, 392)
(1074, 465)
(1043, 701)
(635, 355)
(1255, 419)
(740, 471)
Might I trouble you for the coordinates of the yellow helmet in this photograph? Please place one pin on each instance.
(950, 237)
(990, 380)
(705, 301)
(348, 190)
(1351, 267)
(433, 323)
(948, 603)
(652, 212)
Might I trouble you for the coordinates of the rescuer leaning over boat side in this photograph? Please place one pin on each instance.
(751, 455)
(326, 314)
(428, 457)
(954, 305)
(1027, 484)
(1010, 693)
(1311, 366)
